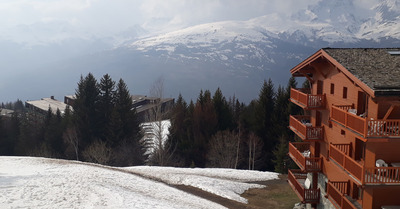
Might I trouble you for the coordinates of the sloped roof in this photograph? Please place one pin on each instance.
(46, 103)
(375, 68)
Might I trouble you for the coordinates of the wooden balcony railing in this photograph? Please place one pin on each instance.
(300, 124)
(306, 195)
(337, 193)
(382, 175)
(303, 98)
(300, 153)
(364, 126)
(347, 163)
(375, 175)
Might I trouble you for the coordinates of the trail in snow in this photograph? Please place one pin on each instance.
(227, 183)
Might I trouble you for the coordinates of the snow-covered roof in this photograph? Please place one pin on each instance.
(6, 112)
(45, 103)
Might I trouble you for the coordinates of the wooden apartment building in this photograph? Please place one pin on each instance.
(349, 156)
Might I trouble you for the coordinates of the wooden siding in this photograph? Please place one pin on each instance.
(343, 131)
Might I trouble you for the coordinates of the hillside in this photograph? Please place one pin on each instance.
(50, 183)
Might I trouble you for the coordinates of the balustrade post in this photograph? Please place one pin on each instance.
(307, 99)
(344, 162)
(363, 175)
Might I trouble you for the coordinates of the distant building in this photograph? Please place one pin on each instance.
(6, 112)
(43, 105)
(69, 99)
(145, 106)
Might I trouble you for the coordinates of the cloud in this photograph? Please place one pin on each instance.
(175, 13)
(105, 17)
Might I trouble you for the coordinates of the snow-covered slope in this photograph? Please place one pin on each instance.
(254, 44)
(27, 182)
(238, 55)
(327, 21)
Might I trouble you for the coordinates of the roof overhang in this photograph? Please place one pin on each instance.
(303, 68)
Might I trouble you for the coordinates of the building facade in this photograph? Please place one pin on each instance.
(149, 109)
(43, 105)
(349, 156)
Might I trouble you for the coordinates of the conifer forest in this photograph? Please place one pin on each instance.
(102, 127)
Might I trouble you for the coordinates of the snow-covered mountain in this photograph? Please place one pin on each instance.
(234, 55)
(239, 55)
(327, 23)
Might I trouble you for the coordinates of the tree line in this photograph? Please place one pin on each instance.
(218, 132)
(102, 127)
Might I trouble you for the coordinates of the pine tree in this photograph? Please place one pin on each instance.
(53, 140)
(124, 107)
(179, 137)
(264, 121)
(281, 157)
(85, 110)
(105, 106)
(280, 114)
(204, 126)
(292, 108)
(130, 150)
(224, 115)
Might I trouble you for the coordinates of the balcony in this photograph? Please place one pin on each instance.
(300, 125)
(363, 175)
(338, 193)
(367, 128)
(304, 99)
(300, 153)
(296, 179)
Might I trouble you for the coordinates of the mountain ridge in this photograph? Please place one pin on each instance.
(236, 56)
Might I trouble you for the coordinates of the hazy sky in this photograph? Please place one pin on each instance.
(38, 22)
(101, 17)
(108, 17)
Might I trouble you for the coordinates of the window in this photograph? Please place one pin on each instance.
(332, 88)
(344, 92)
(342, 132)
(320, 86)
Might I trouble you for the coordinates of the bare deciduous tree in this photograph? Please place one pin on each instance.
(156, 137)
(222, 150)
(98, 152)
(161, 151)
(238, 146)
(71, 137)
(255, 148)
